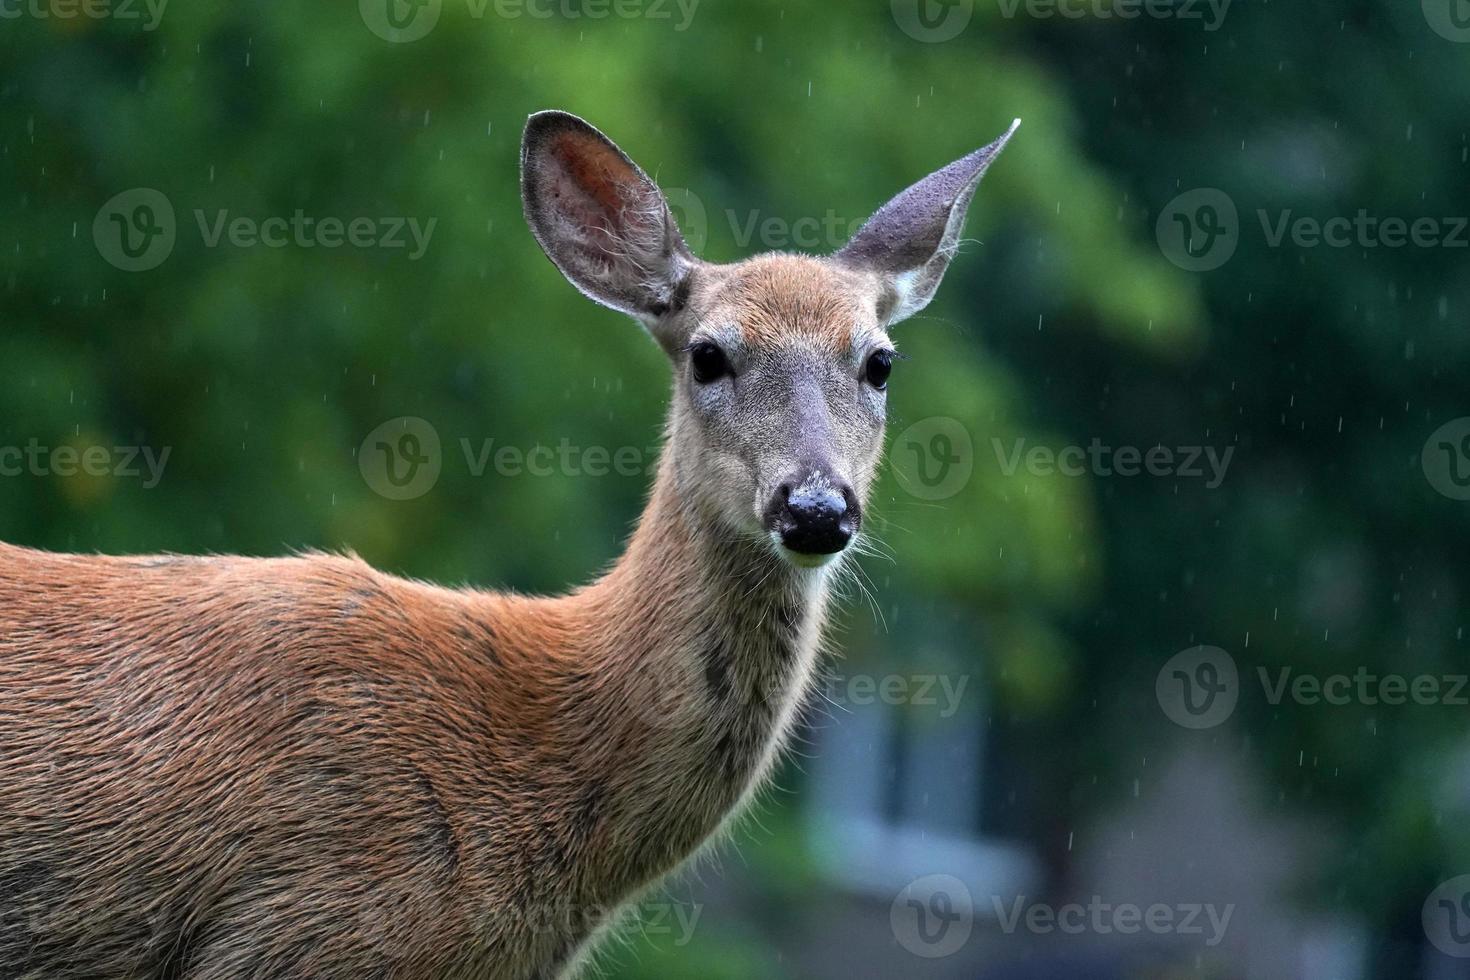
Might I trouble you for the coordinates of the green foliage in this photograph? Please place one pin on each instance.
(264, 369)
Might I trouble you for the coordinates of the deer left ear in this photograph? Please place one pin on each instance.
(600, 218)
(910, 240)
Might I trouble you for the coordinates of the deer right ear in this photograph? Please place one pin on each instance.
(597, 216)
(909, 241)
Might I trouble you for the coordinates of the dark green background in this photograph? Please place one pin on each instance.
(1062, 320)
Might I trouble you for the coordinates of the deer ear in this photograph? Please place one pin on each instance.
(910, 240)
(597, 216)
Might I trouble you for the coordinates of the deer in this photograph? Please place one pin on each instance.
(217, 767)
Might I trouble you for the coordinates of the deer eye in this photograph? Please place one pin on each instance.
(879, 366)
(708, 362)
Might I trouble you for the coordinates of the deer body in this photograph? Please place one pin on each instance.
(357, 773)
(228, 767)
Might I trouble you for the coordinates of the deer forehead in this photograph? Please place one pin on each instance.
(775, 300)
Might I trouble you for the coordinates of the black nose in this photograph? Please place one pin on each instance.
(816, 516)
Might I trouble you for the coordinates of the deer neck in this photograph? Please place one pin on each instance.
(712, 608)
(708, 640)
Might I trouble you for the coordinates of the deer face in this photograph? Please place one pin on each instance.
(781, 362)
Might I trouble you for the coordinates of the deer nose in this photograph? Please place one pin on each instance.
(816, 516)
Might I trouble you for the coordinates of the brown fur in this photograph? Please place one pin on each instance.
(302, 767)
(778, 299)
(224, 768)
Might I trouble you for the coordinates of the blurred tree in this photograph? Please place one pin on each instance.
(263, 369)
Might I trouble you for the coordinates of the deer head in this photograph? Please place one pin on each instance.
(781, 362)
